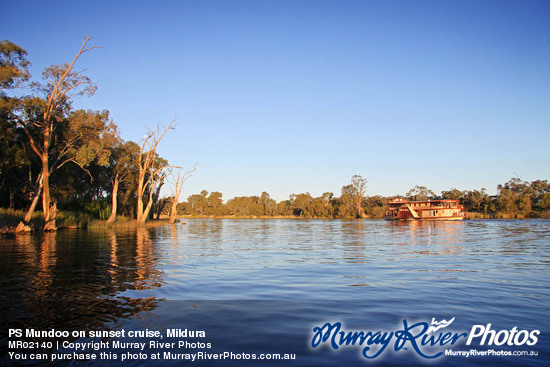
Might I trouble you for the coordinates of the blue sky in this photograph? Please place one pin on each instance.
(298, 96)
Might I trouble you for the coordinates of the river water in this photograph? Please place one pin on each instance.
(262, 286)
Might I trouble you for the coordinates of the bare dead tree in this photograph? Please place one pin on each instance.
(177, 183)
(150, 170)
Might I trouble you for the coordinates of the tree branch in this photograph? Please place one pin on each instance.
(78, 164)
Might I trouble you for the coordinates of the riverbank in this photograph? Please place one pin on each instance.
(469, 215)
(9, 219)
(498, 215)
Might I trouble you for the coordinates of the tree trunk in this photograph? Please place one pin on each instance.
(49, 217)
(114, 201)
(157, 204)
(34, 202)
(139, 213)
(52, 213)
(359, 210)
(145, 214)
(12, 197)
(174, 210)
(30, 212)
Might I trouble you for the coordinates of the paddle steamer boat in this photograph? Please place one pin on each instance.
(401, 208)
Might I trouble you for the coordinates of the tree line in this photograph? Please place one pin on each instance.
(57, 157)
(515, 199)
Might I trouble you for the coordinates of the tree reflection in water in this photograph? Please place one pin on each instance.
(75, 280)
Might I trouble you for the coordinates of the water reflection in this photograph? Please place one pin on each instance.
(113, 255)
(430, 237)
(75, 280)
(99, 277)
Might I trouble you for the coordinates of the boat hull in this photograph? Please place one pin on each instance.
(438, 218)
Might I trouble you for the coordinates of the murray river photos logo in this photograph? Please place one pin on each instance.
(426, 340)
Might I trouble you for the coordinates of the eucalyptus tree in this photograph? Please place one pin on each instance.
(214, 204)
(473, 200)
(199, 202)
(269, 205)
(453, 194)
(352, 199)
(301, 204)
(540, 192)
(45, 117)
(358, 185)
(151, 170)
(420, 193)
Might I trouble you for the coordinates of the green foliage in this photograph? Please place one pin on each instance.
(476, 200)
(269, 205)
(452, 194)
(283, 208)
(245, 206)
(14, 159)
(73, 219)
(375, 206)
(212, 205)
(420, 193)
(301, 205)
(89, 136)
(13, 66)
(345, 207)
(198, 203)
(10, 218)
(544, 202)
(98, 209)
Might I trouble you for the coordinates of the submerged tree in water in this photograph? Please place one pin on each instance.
(177, 184)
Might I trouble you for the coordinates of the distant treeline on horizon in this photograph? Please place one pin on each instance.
(515, 199)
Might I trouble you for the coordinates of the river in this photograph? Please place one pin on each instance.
(263, 286)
